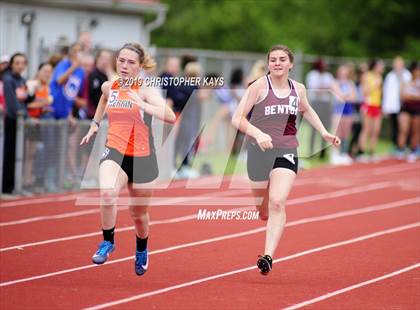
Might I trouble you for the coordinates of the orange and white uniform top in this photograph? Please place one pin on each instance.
(129, 129)
(373, 99)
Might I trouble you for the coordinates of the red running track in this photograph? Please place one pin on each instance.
(352, 242)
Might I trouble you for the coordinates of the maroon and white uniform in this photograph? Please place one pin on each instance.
(276, 116)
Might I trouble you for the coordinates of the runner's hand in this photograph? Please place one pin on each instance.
(136, 98)
(264, 141)
(92, 131)
(331, 139)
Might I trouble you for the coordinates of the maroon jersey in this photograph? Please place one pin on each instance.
(276, 116)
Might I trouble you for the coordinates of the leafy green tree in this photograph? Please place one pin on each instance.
(352, 28)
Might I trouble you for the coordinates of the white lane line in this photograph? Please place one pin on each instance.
(377, 207)
(172, 248)
(343, 192)
(328, 195)
(96, 210)
(72, 196)
(224, 237)
(179, 183)
(222, 275)
(176, 201)
(97, 233)
(64, 197)
(374, 208)
(352, 287)
(50, 217)
(83, 197)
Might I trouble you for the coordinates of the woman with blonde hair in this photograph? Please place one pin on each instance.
(259, 69)
(345, 93)
(371, 110)
(129, 156)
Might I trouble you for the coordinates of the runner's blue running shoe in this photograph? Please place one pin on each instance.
(101, 255)
(141, 263)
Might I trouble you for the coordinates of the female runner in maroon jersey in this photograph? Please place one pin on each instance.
(267, 114)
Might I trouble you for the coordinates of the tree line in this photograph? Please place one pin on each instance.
(364, 28)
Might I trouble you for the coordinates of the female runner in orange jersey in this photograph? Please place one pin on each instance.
(129, 156)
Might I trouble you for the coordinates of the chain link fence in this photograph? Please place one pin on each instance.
(48, 156)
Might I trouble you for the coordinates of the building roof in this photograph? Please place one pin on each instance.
(132, 7)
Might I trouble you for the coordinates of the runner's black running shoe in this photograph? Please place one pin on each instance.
(265, 264)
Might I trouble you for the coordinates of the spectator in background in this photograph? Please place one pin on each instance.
(345, 97)
(68, 78)
(55, 58)
(66, 84)
(180, 96)
(173, 96)
(228, 99)
(391, 105)
(174, 100)
(39, 91)
(186, 59)
(319, 82)
(79, 112)
(259, 68)
(238, 91)
(371, 110)
(186, 142)
(85, 41)
(356, 128)
(101, 73)
(4, 62)
(15, 96)
(39, 104)
(409, 118)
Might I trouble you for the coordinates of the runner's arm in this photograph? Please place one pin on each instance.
(154, 104)
(312, 118)
(239, 119)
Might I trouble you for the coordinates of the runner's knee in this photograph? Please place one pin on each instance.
(109, 197)
(277, 203)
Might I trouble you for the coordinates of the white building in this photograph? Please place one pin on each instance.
(40, 27)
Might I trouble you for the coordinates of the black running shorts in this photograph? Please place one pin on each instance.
(260, 164)
(138, 169)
